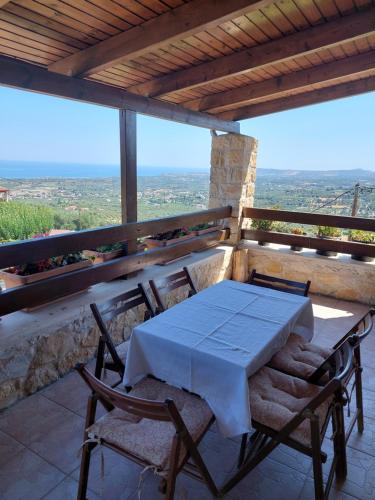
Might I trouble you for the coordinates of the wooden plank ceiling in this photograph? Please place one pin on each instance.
(234, 59)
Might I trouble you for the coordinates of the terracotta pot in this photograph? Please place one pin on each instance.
(211, 229)
(99, 257)
(151, 243)
(14, 280)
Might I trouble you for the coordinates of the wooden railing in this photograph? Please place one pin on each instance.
(349, 247)
(56, 287)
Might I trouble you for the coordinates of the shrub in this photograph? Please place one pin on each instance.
(328, 232)
(262, 224)
(20, 221)
(362, 236)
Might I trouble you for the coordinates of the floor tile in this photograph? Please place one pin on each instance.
(46, 428)
(9, 448)
(27, 477)
(67, 490)
(308, 492)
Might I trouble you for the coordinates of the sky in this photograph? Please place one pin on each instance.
(334, 135)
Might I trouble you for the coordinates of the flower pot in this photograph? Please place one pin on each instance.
(326, 253)
(99, 257)
(296, 248)
(362, 258)
(211, 229)
(152, 243)
(12, 280)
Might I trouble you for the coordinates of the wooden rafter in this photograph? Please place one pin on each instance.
(304, 42)
(296, 101)
(235, 98)
(3, 2)
(14, 73)
(183, 21)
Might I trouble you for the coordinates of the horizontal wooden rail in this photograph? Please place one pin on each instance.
(59, 286)
(349, 247)
(33, 250)
(309, 218)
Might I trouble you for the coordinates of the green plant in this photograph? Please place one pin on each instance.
(20, 221)
(171, 235)
(328, 232)
(262, 224)
(200, 227)
(47, 264)
(362, 236)
(109, 248)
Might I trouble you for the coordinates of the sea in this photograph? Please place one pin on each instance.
(35, 170)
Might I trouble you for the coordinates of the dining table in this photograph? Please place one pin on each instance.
(211, 343)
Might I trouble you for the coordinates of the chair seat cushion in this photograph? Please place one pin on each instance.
(122, 350)
(299, 358)
(151, 440)
(276, 398)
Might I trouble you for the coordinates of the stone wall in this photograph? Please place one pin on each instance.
(37, 348)
(232, 176)
(339, 277)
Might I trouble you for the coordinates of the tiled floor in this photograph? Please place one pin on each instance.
(40, 439)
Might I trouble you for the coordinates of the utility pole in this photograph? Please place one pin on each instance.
(355, 205)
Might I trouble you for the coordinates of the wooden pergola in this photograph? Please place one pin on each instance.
(202, 62)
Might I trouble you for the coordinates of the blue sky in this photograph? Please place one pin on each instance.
(334, 135)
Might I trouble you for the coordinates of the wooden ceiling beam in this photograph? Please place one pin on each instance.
(338, 91)
(178, 23)
(26, 76)
(3, 2)
(237, 97)
(304, 42)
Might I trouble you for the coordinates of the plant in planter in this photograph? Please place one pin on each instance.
(262, 225)
(362, 237)
(327, 233)
(31, 272)
(169, 237)
(299, 232)
(204, 228)
(104, 253)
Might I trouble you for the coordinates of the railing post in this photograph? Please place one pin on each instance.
(128, 162)
(232, 177)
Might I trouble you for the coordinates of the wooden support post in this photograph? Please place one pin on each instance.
(241, 265)
(128, 162)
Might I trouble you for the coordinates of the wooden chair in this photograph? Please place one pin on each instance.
(154, 425)
(290, 411)
(280, 284)
(310, 362)
(162, 286)
(114, 358)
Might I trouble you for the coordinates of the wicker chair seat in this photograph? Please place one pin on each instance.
(300, 358)
(151, 440)
(276, 398)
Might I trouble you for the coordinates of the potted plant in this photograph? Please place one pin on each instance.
(262, 225)
(362, 237)
(31, 272)
(204, 228)
(104, 253)
(299, 232)
(328, 233)
(169, 238)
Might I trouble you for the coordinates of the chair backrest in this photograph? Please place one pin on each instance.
(112, 398)
(110, 309)
(361, 329)
(166, 284)
(281, 284)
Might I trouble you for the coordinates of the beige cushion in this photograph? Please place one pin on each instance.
(151, 440)
(122, 350)
(299, 358)
(276, 398)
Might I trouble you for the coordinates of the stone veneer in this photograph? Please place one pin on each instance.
(232, 176)
(339, 277)
(37, 348)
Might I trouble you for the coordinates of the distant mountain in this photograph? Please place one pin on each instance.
(355, 175)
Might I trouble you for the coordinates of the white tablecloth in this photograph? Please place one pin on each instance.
(212, 342)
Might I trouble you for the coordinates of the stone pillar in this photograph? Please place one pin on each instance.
(232, 177)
